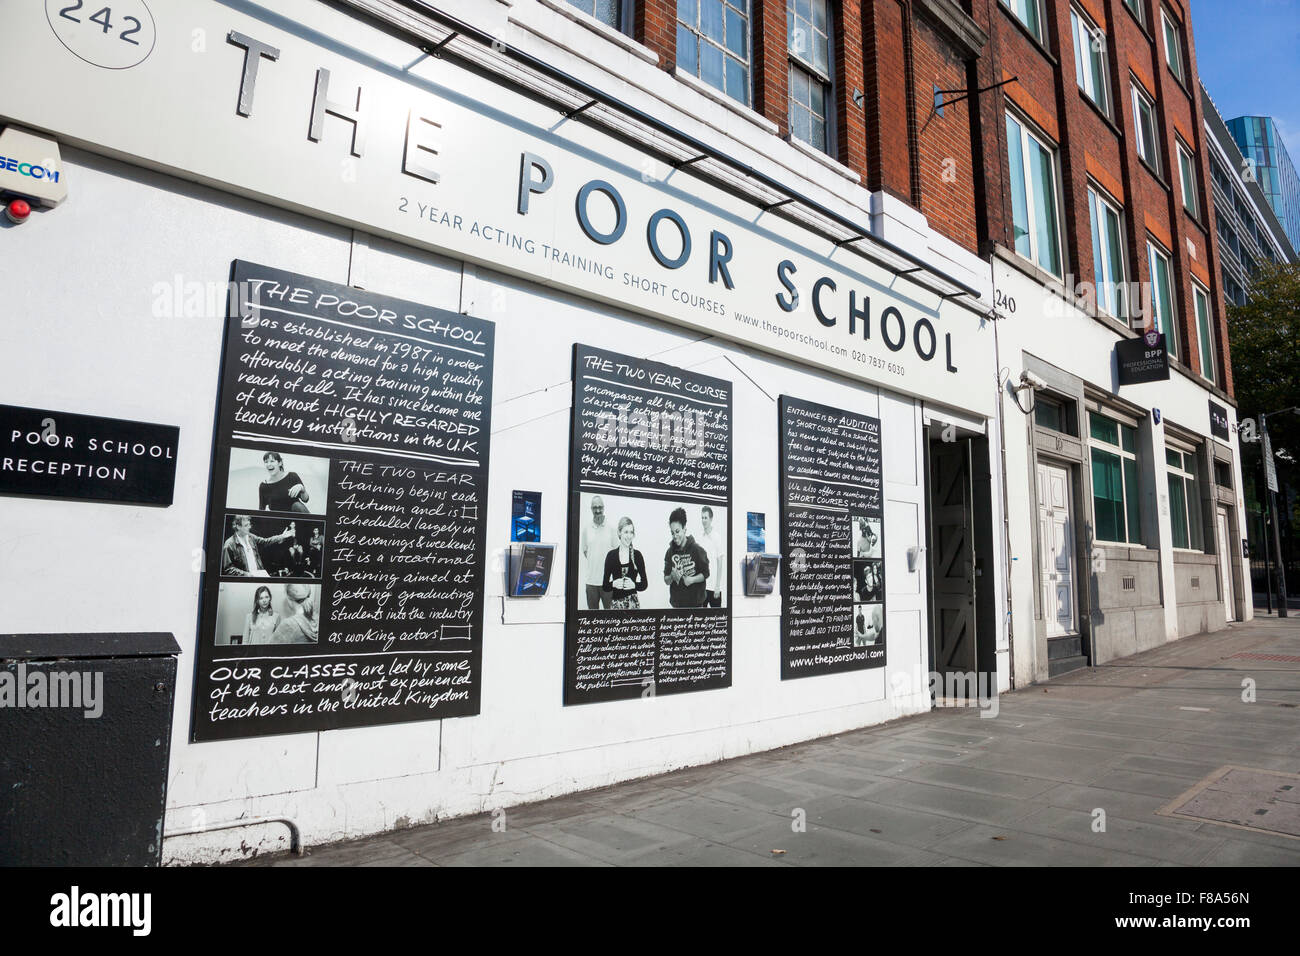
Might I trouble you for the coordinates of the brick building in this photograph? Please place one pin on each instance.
(880, 208)
(1096, 214)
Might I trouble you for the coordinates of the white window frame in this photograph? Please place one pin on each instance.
(1086, 33)
(1020, 10)
(1098, 203)
(1163, 323)
(1031, 203)
(701, 39)
(1174, 53)
(1191, 496)
(1149, 151)
(622, 9)
(1190, 189)
(1135, 8)
(1122, 453)
(825, 79)
(1204, 336)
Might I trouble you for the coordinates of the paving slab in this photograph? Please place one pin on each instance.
(946, 788)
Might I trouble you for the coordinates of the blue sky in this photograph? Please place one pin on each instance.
(1248, 56)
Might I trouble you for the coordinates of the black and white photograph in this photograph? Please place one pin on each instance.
(866, 537)
(267, 613)
(266, 480)
(651, 554)
(868, 580)
(868, 624)
(260, 546)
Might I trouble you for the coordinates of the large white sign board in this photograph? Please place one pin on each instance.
(313, 110)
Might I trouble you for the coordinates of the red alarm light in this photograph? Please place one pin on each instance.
(18, 211)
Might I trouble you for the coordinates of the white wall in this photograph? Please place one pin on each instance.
(92, 330)
(1045, 326)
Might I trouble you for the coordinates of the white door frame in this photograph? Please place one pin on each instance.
(1228, 592)
(1050, 620)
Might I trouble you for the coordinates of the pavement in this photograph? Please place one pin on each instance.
(1126, 764)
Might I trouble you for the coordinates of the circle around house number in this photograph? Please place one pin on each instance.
(114, 34)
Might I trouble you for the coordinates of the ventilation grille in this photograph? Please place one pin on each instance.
(1130, 583)
(1196, 584)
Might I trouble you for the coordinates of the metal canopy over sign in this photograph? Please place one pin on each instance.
(370, 132)
(60, 455)
(1143, 359)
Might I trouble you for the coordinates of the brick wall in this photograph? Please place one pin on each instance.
(1102, 150)
(943, 142)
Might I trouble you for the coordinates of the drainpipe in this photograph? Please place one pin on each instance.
(1006, 516)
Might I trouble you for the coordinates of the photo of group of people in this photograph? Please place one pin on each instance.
(261, 547)
(263, 480)
(269, 533)
(868, 581)
(650, 554)
(251, 613)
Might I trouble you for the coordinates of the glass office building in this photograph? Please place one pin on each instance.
(1258, 139)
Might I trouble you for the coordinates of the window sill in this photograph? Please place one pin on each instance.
(818, 156)
(1138, 20)
(722, 99)
(1155, 173)
(570, 12)
(1182, 85)
(1025, 32)
(1099, 111)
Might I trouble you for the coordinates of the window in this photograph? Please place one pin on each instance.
(1204, 330)
(1222, 474)
(713, 44)
(808, 27)
(1033, 197)
(1028, 13)
(1162, 296)
(1184, 502)
(608, 12)
(1116, 513)
(1173, 45)
(1108, 257)
(1135, 8)
(1090, 59)
(1187, 175)
(1054, 414)
(1144, 118)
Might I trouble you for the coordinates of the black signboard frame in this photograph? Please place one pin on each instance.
(49, 454)
(658, 647)
(1219, 426)
(353, 435)
(833, 587)
(1142, 359)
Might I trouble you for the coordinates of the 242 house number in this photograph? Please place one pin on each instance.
(116, 35)
(104, 18)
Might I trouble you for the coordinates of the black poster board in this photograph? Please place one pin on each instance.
(352, 444)
(833, 541)
(1219, 421)
(51, 454)
(650, 443)
(1143, 359)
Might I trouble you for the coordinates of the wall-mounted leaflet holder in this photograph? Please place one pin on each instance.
(760, 573)
(914, 557)
(528, 569)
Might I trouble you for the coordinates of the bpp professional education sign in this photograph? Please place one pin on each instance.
(364, 129)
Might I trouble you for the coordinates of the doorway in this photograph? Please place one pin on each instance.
(962, 598)
(1225, 568)
(1056, 551)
